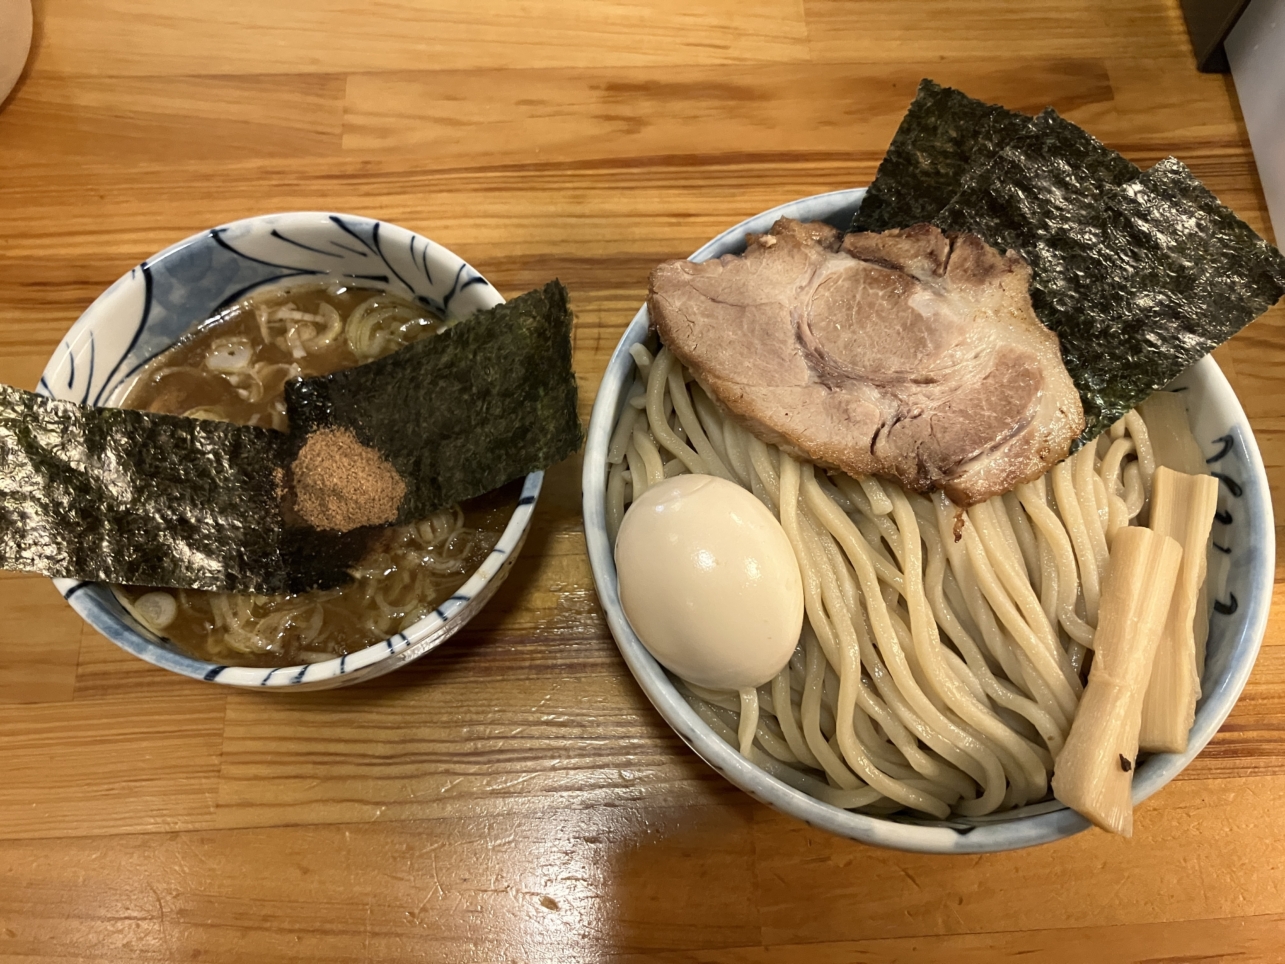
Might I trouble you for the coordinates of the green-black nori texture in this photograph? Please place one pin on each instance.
(113, 495)
(1140, 277)
(487, 401)
(943, 135)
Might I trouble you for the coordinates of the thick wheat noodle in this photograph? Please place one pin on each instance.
(829, 697)
(828, 682)
(903, 725)
(764, 467)
(1024, 591)
(749, 718)
(1104, 504)
(958, 665)
(1068, 506)
(767, 735)
(615, 500)
(1016, 666)
(729, 700)
(882, 557)
(949, 585)
(1019, 762)
(791, 728)
(848, 661)
(1086, 483)
(1050, 581)
(975, 603)
(888, 568)
(951, 613)
(657, 417)
(1059, 542)
(895, 718)
(1008, 567)
(764, 479)
(743, 454)
(642, 358)
(838, 797)
(859, 496)
(1040, 659)
(969, 706)
(653, 465)
(1071, 656)
(620, 436)
(810, 717)
(1111, 480)
(1135, 496)
(712, 425)
(768, 710)
(738, 458)
(879, 501)
(766, 730)
(690, 423)
(637, 471)
(1051, 577)
(1004, 530)
(999, 691)
(1016, 520)
(820, 649)
(1113, 461)
(885, 566)
(889, 709)
(1142, 442)
(951, 741)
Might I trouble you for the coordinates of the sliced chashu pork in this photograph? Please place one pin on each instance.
(908, 354)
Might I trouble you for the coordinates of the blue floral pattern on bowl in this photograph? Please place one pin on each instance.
(1242, 572)
(159, 301)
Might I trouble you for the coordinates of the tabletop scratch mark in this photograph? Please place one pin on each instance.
(910, 877)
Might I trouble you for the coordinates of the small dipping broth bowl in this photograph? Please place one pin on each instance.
(157, 303)
(1241, 573)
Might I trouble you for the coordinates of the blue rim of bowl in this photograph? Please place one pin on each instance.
(1032, 825)
(102, 611)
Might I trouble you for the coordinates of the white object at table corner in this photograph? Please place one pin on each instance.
(1256, 52)
(1248, 533)
(15, 42)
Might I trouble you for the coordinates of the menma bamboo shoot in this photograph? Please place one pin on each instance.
(1169, 429)
(1182, 507)
(1174, 445)
(1094, 772)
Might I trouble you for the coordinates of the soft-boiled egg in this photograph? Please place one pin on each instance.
(709, 582)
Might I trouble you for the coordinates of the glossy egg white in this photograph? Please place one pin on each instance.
(709, 582)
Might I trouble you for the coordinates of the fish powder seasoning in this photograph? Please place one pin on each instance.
(341, 484)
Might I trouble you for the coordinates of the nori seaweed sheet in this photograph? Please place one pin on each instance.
(1062, 164)
(488, 400)
(944, 134)
(1139, 277)
(113, 495)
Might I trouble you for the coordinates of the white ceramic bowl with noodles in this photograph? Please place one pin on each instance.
(1243, 532)
(156, 303)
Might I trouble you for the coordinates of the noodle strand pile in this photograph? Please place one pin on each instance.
(943, 649)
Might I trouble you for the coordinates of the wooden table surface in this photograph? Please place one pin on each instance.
(514, 796)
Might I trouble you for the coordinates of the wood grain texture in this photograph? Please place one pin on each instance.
(514, 797)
